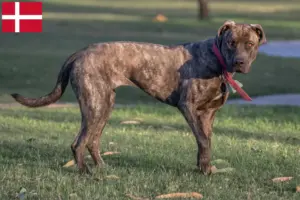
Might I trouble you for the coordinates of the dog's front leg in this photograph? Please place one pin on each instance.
(200, 122)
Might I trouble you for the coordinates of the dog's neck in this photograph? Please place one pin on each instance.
(208, 62)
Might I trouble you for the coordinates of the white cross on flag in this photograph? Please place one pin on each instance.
(22, 17)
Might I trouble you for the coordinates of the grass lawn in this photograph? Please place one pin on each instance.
(157, 156)
(30, 62)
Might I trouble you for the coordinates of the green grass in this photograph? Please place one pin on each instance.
(157, 156)
(30, 62)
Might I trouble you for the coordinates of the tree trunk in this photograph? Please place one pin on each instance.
(203, 9)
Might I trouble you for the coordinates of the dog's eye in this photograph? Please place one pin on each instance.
(250, 44)
(232, 43)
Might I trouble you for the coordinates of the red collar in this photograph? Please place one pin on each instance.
(228, 76)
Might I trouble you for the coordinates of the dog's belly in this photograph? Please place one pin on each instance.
(159, 82)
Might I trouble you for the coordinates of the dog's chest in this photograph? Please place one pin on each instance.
(219, 98)
(208, 93)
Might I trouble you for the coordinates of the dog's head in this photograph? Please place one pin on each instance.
(239, 44)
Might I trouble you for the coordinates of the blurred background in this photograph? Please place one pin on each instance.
(30, 63)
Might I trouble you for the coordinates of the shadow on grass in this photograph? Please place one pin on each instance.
(144, 162)
(114, 122)
(35, 154)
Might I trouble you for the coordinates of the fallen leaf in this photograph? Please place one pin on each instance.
(135, 197)
(298, 188)
(214, 170)
(110, 153)
(249, 195)
(220, 163)
(160, 18)
(21, 194)
(73, 196)
(282, 179)
(130, 122)
(72, 162)
(180, 195)
(225, 170)
(69, 163)
(114, 177)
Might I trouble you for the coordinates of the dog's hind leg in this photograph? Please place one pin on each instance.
(96, 100)
(94, 140)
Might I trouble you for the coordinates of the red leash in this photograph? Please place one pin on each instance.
(228, 76)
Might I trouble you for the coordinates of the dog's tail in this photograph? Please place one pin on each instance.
(56, 93)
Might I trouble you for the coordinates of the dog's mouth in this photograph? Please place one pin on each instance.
(241, 69)
(238, 70)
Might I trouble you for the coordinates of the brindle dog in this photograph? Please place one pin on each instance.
(187, 76)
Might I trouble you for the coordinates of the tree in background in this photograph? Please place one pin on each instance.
(203, 9)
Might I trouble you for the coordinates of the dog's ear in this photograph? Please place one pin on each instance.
(228, 24)
(260, 32)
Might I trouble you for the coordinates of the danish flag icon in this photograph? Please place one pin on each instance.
(19, 17)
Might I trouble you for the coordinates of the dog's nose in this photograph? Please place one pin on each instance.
(239, 62)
